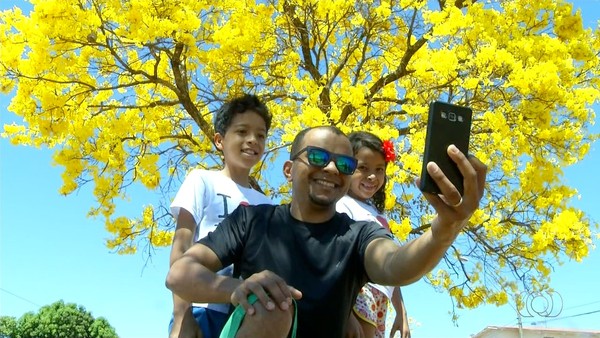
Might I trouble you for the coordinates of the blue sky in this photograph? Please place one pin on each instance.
(50, 251)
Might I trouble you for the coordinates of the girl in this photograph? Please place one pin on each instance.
(365, 201)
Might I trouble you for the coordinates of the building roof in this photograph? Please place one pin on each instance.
(534, 331)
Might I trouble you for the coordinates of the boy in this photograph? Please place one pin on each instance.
(207, 197)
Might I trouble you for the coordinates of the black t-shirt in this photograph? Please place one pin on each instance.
(324, 261)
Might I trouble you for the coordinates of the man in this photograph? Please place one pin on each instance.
(308, 252)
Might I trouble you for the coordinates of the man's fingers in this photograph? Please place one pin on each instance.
(446, 186)
(464, 165)
(248, 287)
(279, 291)
(296, 294)
(240, 298)
(473, 171)
(474, 175)
(270, 290)
(481, 170)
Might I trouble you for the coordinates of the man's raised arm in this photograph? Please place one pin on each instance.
(388, 264)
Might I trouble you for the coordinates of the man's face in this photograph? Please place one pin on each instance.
(321, 187)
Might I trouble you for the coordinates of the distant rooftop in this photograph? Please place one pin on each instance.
(534, 332)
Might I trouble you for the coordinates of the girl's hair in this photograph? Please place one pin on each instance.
(362, 139)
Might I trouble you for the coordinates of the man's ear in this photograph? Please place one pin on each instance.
(218, 140)
(287, 170)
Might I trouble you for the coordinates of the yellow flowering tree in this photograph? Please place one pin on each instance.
(124, 92)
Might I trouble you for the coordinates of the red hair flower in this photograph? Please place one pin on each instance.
(388, 151)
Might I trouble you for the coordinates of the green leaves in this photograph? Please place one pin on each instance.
(57, 320)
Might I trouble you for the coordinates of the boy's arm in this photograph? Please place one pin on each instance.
(183, 237)
(388, 264)
(182, 240)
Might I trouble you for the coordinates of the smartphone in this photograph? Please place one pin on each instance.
(446, 124)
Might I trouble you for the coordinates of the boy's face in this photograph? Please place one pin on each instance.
(244, 141)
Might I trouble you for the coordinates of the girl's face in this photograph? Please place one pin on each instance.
(369, 175)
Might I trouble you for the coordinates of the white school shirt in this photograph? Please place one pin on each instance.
(360, 211)
(211, 196)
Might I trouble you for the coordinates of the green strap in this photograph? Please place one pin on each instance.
(235, 320)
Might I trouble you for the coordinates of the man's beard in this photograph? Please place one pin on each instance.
(321, 201)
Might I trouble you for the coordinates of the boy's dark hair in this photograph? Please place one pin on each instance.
(297, 143)
(240, 105)
(362, 139)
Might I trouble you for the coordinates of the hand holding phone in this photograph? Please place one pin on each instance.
(447, 124)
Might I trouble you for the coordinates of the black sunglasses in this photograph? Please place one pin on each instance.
(320, 157)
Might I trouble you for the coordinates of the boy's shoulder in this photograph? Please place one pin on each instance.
(264, 210)
(208, 175)
(256, 197)
(262, 207)
(202, 172)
